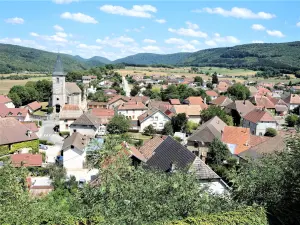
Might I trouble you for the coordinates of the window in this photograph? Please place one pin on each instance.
(67, 126)
(260, 133)
(161, 125)
(57, 80)
(74, 130)
(57, 99)
(65, 121)
(154, 124)
(156, 118)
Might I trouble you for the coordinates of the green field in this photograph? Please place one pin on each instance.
(6, 85)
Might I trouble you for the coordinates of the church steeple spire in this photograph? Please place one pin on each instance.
(58, 69)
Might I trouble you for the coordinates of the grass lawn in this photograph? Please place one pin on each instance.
(40, 113)
(6, 85)
(139, 136)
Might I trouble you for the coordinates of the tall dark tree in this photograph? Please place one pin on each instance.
(179, 122)
(215, 79)
(239, 91)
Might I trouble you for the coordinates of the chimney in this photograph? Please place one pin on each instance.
(28, 133)
(173, 167)
(203, 156)
(244, 102)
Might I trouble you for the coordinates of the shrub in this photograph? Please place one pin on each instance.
(291, 120)
(271, 132)
(64, 133)
(149, 130)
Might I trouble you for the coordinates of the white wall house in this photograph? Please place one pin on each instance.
(9, 105)
(67, 116)
(87, 124)
(155, 118)
(258, 121)
(132, 110)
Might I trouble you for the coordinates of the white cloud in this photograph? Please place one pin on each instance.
(89, 47)
(275, 33)
(61, 34)
(135, 29)
(242, 13)
(187, 47)
(258, 27)
(79, 17)
(160, 21)
(257, 42)
(64, 1)
(298, 24)
(15, 20)
(33, 34)
(151, 48)
(19, 41)
(149, 41)
(211, 43)
(192, 25)
(58, 37)
(177, 41)
(191, 31)
(58, 28)
(143, 11)
(117, 42)
(195, 42)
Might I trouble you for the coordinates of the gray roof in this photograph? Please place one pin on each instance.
(208, 131)
(77, 140)
(58, 68)
(203, 171)
(87, 119)
(241, 106)
(72, 88)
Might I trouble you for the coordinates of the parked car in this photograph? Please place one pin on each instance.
(44, 147)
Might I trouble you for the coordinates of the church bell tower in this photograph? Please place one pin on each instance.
(58, 86)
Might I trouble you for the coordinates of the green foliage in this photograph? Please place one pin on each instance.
(149, 130)
(239, 91)
(179, 122)
(4, 150)
(198, 80)
(50, 110)
(119, 124)
(98, 96)
(213, 111)
(215, 79)
(64, 133)
(182, 91)
(191, 126)
(291, 120)
(244, 216)
(218, 152)
(46, 142)
(271, 132)
(168, 129)
(34, 145)
(135, 90)
(15, 99)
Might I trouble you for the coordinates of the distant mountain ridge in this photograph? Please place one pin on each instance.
(282, 56)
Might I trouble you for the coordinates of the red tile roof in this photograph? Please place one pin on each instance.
(132, 106)
(12, 112)
(264, 102)
(149, 146)
(263, 91)
(258, 115)
(26, 160)
(71, 107)
(4, 99)
(221, 101)
(195, 100)
(212, 93)
(175, 101)
(31, 126)
(293, 99)
(34, 105)
(238, 136)
(103, 112)
(116, 98)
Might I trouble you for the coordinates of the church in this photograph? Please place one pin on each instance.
(63, 92)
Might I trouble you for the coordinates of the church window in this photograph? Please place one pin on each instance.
(57, 99)
(57, 80)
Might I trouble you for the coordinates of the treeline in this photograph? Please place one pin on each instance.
(20, 77)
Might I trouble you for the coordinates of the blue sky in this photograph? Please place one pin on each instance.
(116, 29)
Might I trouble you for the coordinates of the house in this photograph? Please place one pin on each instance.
(144, 99)
(238, 109)
(258, 121)
(200, 140)
(26, 160)
(87, 124)
(271, 145)
(292, 101)
(115, 101)
(33, 107)
(132, 109)
(212, 94)
(104, 116)
(96, 105)
(264, 102)
(174, 101)
(295, 89)
(31, 126)
(74, 151)
(20, 114)
(222, 86)
(191, 111)
(39, 186)
(88, 79)
(163, 106)
(221, 101)
(73, 94)
(263, 91)
(154, 117)
(6, 101)
(281, 108)
(67, 116)
(253, 90)
(15, 136)
(195, 100)
(166, 154)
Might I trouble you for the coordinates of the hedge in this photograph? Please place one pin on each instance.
(4, 150)
(34, 145)
(247, 216)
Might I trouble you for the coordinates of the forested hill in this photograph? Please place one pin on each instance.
(15, 58)
(152, 59)
(284, 56)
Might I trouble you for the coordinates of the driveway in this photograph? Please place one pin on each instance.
(46, 132)
(126, 87)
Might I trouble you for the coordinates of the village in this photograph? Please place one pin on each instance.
(171, 134)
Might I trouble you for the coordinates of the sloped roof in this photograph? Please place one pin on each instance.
(87, 119)
(149, 113)
(77, 140)
(258, 115)
(175, 101)
(208, 131)
(103, 112)
(31, 126)
(241, 106)
(34, 105)
(163, 106)
(26, 160)
(150, 145)
(116, 98)
(4, 99)
(203, 171)
(70, 112)
(12, 131)
(293, 99)
(212, 93)
(236, 138)
(194, 100)
(12, 112)
(264, 102)
(189, 110)
(132, 106)
(143, 99)
(221, 101)
(72, 88)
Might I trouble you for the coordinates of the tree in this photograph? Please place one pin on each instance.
(213, 111)
(191, 126)
(218, 152)
(15, 99)
(168, 129)
(271, 132)
(98, 96)
(291, 120)
(239, 91)
(149, 130)
(198, 80)
(119, 124)
(179, 122)
(215, 79)
(209, 85)
(135, 90)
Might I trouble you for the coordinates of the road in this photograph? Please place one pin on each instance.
(126, 87)
(46, 132)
